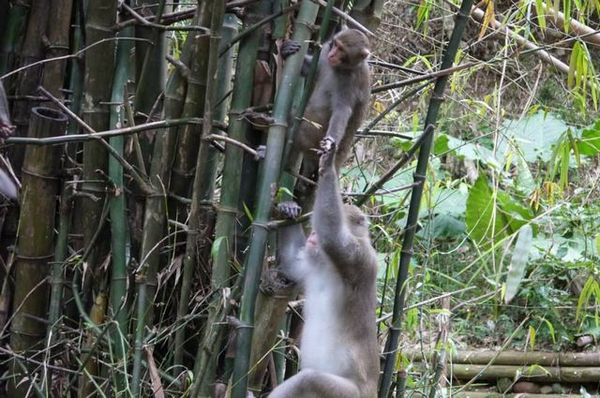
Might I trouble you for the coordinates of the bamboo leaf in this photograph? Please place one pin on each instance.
(590, 288)
(567, 14)
(487, 18)
(541, 14)
(518, 263)
(572, 66)
(564, 164)
(531, 337)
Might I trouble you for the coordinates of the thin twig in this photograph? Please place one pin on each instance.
(104, 134)
(216, 137)
(69, 56)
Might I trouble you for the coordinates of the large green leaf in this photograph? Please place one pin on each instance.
(443, 226)
(516, 213)
(589, 144)
(484, 222)
(534, 136)
(518, 262)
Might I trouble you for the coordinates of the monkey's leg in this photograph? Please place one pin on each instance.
(313, 384)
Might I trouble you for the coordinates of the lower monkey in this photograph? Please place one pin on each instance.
(336, 268)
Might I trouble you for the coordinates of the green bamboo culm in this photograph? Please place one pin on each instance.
(227, 210)
(98, 80)
(201, 85)
(391, 346)
(53, 81)
(10, 37)
(155, 214)
(270, 174)
(118, 220)
(35, 244)
(206, 357)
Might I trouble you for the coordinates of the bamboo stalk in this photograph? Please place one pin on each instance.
(53, 80)
(534, 373)
(150, 54)
(391, 345)
(155, 219)
(201, 89)
(271, 169)
(140, 326)
(118, 221)
(35, 244)
(29, 79)
(206, 359)
(516, 358)
(486, 394)
(12, 34)
(98, 79)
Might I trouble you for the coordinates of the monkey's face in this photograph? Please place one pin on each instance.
(312, 242)
(348, 49)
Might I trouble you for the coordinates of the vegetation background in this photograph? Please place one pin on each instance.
(139, 259)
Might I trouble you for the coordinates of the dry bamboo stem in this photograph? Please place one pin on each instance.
(519, 358)
(482, 394)
(534, 373)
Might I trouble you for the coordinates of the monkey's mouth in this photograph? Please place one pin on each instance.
(312, 239)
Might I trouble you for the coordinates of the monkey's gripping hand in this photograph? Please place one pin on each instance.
(289, 47)
(288, 210)
(327, 153)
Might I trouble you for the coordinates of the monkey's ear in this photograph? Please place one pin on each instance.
(364, 52)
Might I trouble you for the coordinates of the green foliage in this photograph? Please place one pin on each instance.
(485, 224)
(518, 262)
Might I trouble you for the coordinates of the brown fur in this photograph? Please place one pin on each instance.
(339, 101)
(337, 269)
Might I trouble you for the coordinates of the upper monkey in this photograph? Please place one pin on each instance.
(340, 98)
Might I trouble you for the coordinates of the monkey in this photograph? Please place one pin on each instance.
(339, 101)
(6, 128)
(336, 268)
(8, 188)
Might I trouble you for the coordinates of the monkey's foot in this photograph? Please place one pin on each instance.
(289, 209)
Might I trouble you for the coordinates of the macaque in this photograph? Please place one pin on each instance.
(6, 128)
(340, 98)
(8, 188)
(336, 269)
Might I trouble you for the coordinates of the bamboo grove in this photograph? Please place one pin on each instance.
(138, 259)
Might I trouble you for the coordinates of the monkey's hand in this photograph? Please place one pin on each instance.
(289, 47)
(6, 130)
(327, 153)
(289, 210)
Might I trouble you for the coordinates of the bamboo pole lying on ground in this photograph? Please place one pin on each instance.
(516, 358)
(536, 373)
(484, 394)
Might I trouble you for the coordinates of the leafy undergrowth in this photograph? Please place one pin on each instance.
(517, 243)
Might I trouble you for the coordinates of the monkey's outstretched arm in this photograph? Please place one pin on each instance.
(329, 219)
(339, 121)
